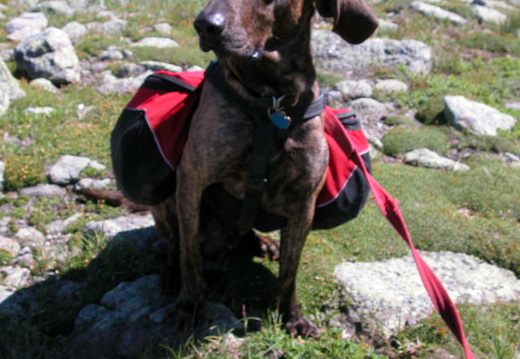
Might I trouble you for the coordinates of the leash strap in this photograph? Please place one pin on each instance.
(389, 206)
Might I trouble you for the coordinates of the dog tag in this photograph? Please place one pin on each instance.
(280, 120)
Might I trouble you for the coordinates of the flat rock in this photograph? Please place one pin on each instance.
(45, 190)
(476, 117)
(390, 293)
(354, 61)
(354, 89)
(111, 227)
(424, 157)
(33, 20)
(437, 12)
(488, 14)
(158, 42)
(67, 169)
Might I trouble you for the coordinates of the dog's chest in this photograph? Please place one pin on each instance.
(224, 147)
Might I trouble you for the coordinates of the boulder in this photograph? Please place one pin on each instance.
(36, 21)
(476, 117)
(57, 7)
(390, 294)
(424, 157)
(50, 55)
(9, 88)
(354, 89)
(68, 168)
(75, 31)
(488, 14)
(437, 12)
(354, 61)
(158, 42)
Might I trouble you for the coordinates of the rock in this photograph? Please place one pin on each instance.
(156, 65)
(67, 169)
(110, 83)
(16, 277)
(488, 14)
(30, 237)
(111, 227)
(36, 21)
(111, 27)
(130, 70)
(45, 190)
(40, 110)
(9, 88)
(158, 42)
(56, 227)
(385, 25)
(92, 183)
(437, 12)
(10, 245)
(476, 117)
(57, 7)
(424, 157)
(131, 316)
(16, 303)
(2, 170)
(44, 84)
(390, 294)
(50, 55)
(369, 107)
(75, 31)
(352, 89)
(87, 5)
(112, 53)
(353, 61)
(391, 86)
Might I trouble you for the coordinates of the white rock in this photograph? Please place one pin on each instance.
(426, 158)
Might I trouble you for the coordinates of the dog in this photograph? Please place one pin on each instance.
(263, 51)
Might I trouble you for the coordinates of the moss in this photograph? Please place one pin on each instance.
(403, 139)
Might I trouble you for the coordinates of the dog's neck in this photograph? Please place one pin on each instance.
(285, 70)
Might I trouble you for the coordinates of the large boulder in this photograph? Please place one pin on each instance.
(476, 117)
(9, 87)
(49, 54)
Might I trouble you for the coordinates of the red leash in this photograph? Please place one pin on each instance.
(389, 206)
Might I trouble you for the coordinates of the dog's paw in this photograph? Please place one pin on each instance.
(302, 327)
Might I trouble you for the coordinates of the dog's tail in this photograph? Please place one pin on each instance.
(113, 198)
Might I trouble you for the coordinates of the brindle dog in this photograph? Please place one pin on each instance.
(263, 48)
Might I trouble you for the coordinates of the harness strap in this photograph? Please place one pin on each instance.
(257, 180)
(389, 206)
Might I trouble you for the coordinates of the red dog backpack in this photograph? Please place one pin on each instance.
(149, 136)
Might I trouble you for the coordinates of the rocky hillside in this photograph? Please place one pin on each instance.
(438, 93)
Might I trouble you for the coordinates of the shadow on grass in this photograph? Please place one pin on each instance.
(41, 321)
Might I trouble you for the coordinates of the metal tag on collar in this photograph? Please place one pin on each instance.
(277, 115)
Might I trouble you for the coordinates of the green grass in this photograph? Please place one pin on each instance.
(403, 139)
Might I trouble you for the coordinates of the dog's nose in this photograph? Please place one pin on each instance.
(210, 25)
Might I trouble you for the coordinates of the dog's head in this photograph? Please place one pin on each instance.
(254, 28)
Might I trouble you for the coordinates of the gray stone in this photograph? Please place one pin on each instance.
(16, 303)
(111, 227)
(369, 107)
(157, 42)
(67, 169)
(157, 65)
(40, 110)
(56, 227)
(75, 31)
(163, 28)
(30, 237)
(44, 84)
(353, 89)
(9, 88)
(424, 157)
(111, 27)
(437, 12)
(87, 5)
(57, 7)
(50, 55)
(45, 190)
(2, 170)
(110, 83)
(10, 245)
(353, 61)
(32, 20)
(112, 53)
(391, 86)
(17, 277)
(93, 183)
(488, 14)
(390, 294)
(476, 117)
(130, 70)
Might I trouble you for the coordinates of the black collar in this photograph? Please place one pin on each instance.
(263, 105)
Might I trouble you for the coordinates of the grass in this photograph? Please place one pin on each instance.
(471, 212)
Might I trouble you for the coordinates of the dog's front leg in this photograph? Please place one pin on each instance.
(292, 242)
(189, 194)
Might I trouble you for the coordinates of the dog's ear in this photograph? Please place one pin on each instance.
(354, 20)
